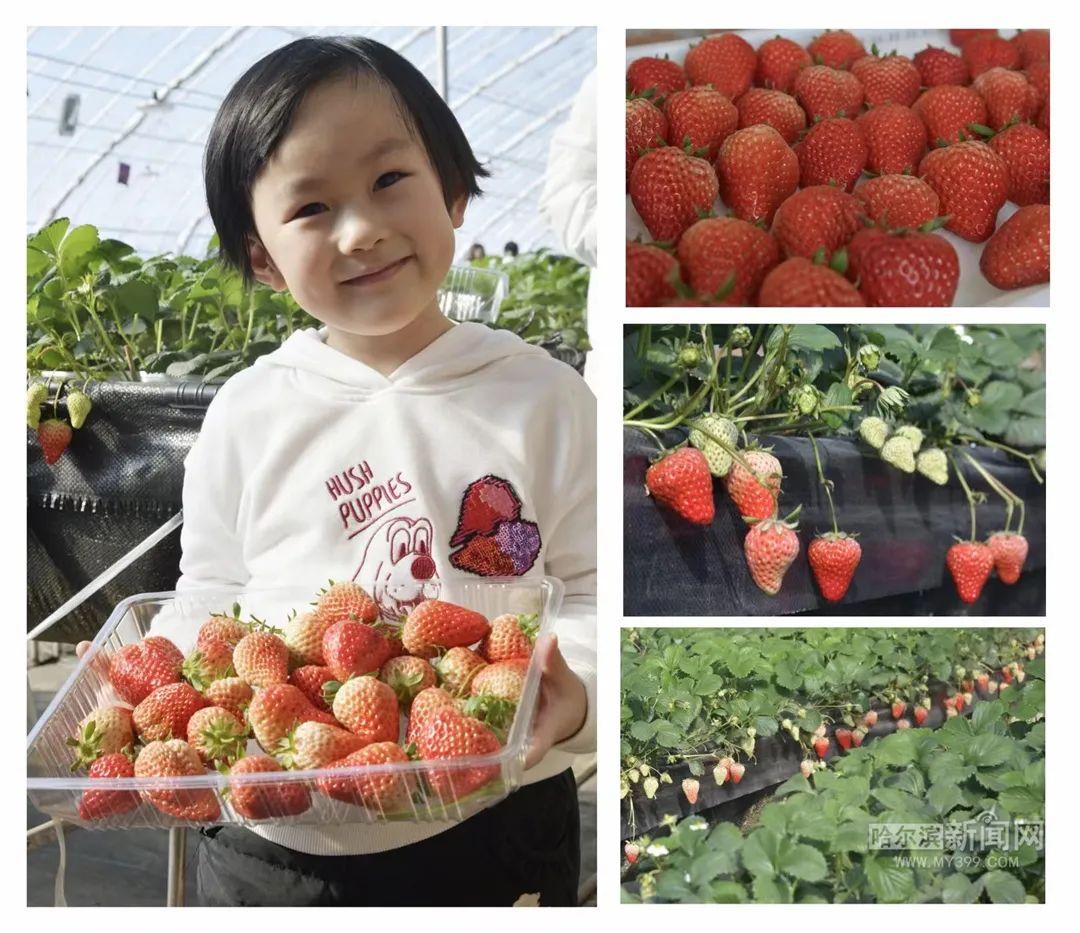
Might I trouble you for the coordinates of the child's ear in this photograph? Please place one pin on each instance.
(262, 266)
(457, 210)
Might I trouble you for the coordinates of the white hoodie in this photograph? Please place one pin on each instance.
(310, 465)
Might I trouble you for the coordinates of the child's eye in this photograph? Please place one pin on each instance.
(387, 179)
(303, 211)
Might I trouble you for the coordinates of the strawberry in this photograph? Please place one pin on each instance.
(857, 736)
(940, 66)
(511, 636)
(826, 92)
(311, 745)
(833, 559)
(1007, 674)
(899, 707)
(959, 36)
(721, 774)
(933, 464)
(78, 406)
(230, 692)
(715, 436)
(346, 601)
(368, 708)
(220, 627)
(1038, 75)
(1010, 551)
(1032, 45)
(727, 62)
(757, 171)
(874, 431)
(970, 563)
(949, 113)
(887, 79)
(216, 735)
(771, 546)
(276, 709)
(903, 269)
(351, 648)
(798, 282)
(726, 259)
(920, 715)
(815, 218)
(778, 61)
(101, 804)
(773, 108)
(303, 636)
(736, 771)
(654, 78)
(912, 433)
(895, 201)
(1009, 97)
(895, 138)
(981, 53)
(1018, 254)
(457, 668)
(821, 747)
(670, 190)
(870, 719)
(836, 48)
(262, 800)
(425, 703)
(36, 393)
(806, 766)
(260, 659)
(755, 493)
(175, 758)
(843, 738)
(903, 724)
(651, 273)
(438, 624)
(54, 436)
(646, 128)
(105, 731)
(407, 676)
(1043, 120)
(447, 734)
(983, 680)
(209, 662)
(690, 788)
(1025, 149)
(832, 152)
(164, 714)
(700, 118)
(503, 679)
(311, 680)
(898, 452)
(382, 790)
(631, 852)
(681, 481)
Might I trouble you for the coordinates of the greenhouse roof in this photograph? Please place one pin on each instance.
(117, 118)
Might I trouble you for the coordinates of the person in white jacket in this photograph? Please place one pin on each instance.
(390, 447)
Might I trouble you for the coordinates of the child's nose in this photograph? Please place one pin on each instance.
(360, 231)
(423, 568)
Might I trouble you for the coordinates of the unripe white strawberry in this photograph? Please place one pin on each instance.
(806, 767)
(720, 774)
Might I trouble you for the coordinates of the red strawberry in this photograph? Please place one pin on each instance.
(1007, 674)
(382, 790)
(424, 704)
(503, 679)
(903, 269)
(843, 738)
(101, 804)
(368, 708)
(833, 559)
(836, 48)
(654, 78)
(983, 680)
(407, 676)
(827, 92)
(887, 79)
(341, 601)
(438, 624)
(690, 788)
(959, 36)
(770, 546)
(894, 201)
(1032, 45)
(778, 61)
(736, 772)
(1038, 75)
(949, 112)
(798, 282)
(1025, 150)
(631, 852)
(221, 627)
(832, 152)
(216, 734)
(447, 734)
(821, 746)
(981, 53)
(650, 275)
(972, 182)
(895, 139)
(105, 731)
(262, 800)
(54, 436)
(303, 635)
(1018, 254)
(1010, 551)
(670, 190)
(725, 259)
(815, 218)
(921, 712)
(135, 671)
(857, 736)
(311, 680)
(276, 709)
(757, 171)
(870, 719)
(939, 66)
(773, 108)
(970, 563)
(230, 692)
(486, 502)
(949, 702)
(211, 661)
(175, 758)
(899, 707)
(457, 668)
(681, 481)
(727, 62)
(1009, 97)
(165, 713)
(311, 745)
(511, 636)
(755, 493)
(646, 128)
(260, 659)
(700, 118)
(352, 648)
(960, 702)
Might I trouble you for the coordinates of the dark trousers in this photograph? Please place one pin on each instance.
(527, 844)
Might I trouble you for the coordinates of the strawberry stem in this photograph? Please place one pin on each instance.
(1029, 458)
(967, 492)
(652, 398)
(1011, 498)
(825, 484)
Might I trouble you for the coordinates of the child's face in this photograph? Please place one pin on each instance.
(364, 246)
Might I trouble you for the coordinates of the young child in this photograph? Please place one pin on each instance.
(361, 450)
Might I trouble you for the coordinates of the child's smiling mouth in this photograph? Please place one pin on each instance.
(380, 274)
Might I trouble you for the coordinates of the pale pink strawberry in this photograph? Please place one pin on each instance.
(260, 659)
(232, 693)
(368, 708)
(276, 709)
(311, 745)
(175, 758)
(457, 668)
(381, 790)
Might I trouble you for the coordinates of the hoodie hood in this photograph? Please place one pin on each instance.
(459, 354)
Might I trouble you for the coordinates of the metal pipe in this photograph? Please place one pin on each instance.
(442, 71)
(177, 866)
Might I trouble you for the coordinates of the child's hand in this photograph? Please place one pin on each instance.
(563, 704)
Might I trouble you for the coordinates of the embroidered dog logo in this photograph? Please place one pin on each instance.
(397, 568)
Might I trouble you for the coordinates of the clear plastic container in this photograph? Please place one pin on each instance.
(469, 293)
(450, 789)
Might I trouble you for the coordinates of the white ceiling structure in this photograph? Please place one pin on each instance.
(146, 97)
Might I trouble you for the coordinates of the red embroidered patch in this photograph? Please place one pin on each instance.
(497, 542)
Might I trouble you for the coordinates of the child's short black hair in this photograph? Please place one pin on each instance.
(257, 112)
